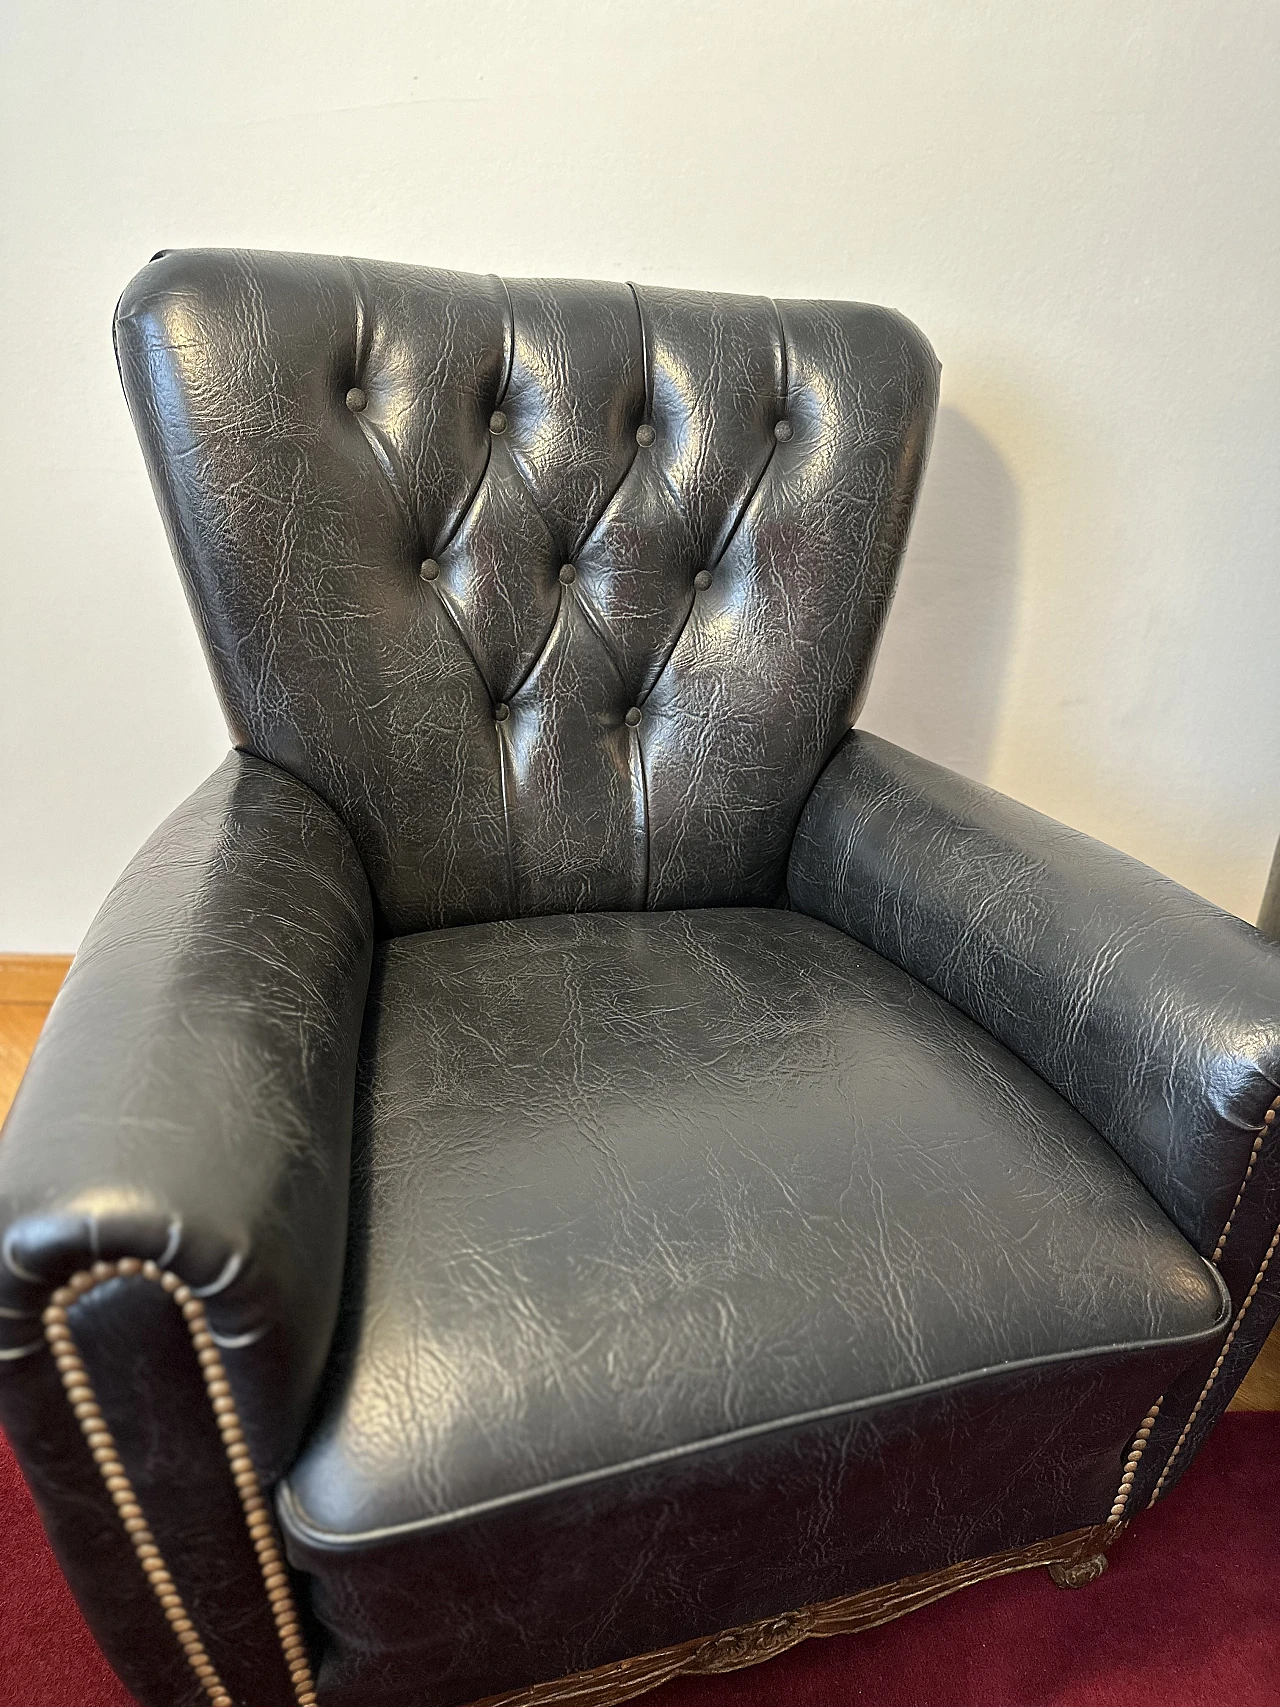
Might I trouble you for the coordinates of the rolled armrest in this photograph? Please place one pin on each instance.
(180, 1149)
(190, 1099)
(1155, 1014)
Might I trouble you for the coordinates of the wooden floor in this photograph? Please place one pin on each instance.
(29, 982)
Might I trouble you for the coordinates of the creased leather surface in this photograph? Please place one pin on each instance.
(630, 1185)
(301, 525)
(189, 1100)
(697, 1545)
(703, 1263)
(144, 1372)
(1153, 1012)
(1250, 1265)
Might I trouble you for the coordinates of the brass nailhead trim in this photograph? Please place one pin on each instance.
(93, 1425)
(1268, 1120)
(1144, 1433)
(1129, 1474)
(80, 1395)
(1241, 1313)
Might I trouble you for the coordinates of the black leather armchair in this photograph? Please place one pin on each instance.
(563, 1157)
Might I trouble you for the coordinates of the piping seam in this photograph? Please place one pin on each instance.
(301, 1528)
(93, 1425)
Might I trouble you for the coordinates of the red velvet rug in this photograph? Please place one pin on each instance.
(1187, 1616)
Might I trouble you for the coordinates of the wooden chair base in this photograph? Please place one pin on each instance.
(1073, 1560)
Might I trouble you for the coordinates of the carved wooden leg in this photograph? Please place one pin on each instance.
(1087, 1560)
(1078, 1572)
(1074, 1559)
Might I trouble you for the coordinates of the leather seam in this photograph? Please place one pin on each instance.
(784, 377)
(745, 505)
(642, 790)
(715, 560)
(645, 342)
(596, 623)
(509, 332)
(461, 632)
(588, 610)
(506, 819)
(93, 1425)
(300, 1526)
(384, 453)
(1217, 1367)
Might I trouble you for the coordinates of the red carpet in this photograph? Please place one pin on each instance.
(1187, 1616)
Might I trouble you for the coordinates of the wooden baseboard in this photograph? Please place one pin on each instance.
(32, 977)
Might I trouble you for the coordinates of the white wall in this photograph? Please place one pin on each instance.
(1077, 203)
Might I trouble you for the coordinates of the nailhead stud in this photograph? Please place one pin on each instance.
(497, 422)
(645, 434)
(702, 580)
(501, 713)
(633, 716)
(783, 431)
(568, 573)
(430, 569)
(356, 400)
(79, 1391)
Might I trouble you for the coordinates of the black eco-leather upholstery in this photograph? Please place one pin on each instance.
(1053, 942)
(715, 1215)
(649, 1158)
(190, 1101)
(1154, 1013)
(556, 714)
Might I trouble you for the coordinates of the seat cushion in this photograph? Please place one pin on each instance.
(703, 1264)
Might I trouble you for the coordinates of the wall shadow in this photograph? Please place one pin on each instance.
(939, 679)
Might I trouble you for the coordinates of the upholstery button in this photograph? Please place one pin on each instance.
(633, 716)
(645, 435)
(568, 573)
(783, 431)
(501, 713)
(356, 400)
(430, 569)
(497, 422)
(702, 580)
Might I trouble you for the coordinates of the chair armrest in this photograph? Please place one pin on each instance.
(190, 1100)
(1155, 1014)
(189, 1105)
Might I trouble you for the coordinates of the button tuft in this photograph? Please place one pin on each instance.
(633, 716)
(645, 435)
(568, 573)
(783, 431)
(501, 713)
(356, 400)
(702, 580)
(430, 569)
(497, 422)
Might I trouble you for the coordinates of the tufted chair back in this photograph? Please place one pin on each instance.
(561, 594)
